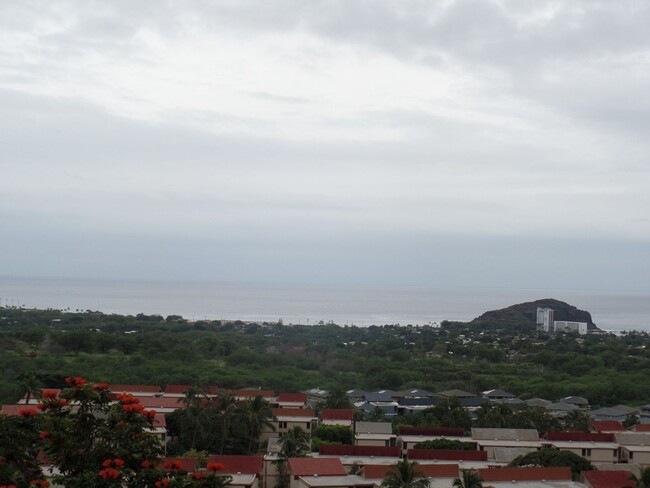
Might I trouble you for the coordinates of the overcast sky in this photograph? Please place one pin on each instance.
(461, 142)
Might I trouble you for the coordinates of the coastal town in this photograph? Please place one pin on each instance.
(613, 441)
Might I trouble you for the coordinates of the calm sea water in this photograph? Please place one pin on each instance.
(360, 305)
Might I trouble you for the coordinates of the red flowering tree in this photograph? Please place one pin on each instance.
(92, 440)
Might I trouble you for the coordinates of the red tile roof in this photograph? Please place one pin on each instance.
(447, 455)
(433, 431)
(642, 427)
(160, 402)
(607, 479)
(607, 426)
(379, 451)
(578, 436)
(292, 397)
(337, 414)
(159, 421)
(15, 409)
(294, 412)
(378, 471)
(316, 466)
(239, 464)
(182, 389)
(525, 474)
(188, 464)
(134, 388)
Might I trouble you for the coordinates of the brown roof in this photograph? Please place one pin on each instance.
(642, 427)
(292, 397)
(294, 412)
(379, 471)
(317, 466)
(379, 451)
(160, 402)
(433, 431)
(447, 454)
(134, 388)
(239, 464)
(578, 436)
(337, 414)
(607, 479)
(525, 474)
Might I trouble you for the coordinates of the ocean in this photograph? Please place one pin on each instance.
(360, 305)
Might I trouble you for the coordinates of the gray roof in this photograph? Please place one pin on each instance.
(562, 407)
(469, 402)
(414, 393)
(508, 401)
(373, 427)
(497, 393)
(505, 434)
(508, 454)
(378, 397)
(416, 402)
(576, 400)
(627, 409)
(608, 412)
(538, 402)
(632, 438)
(455, 393)
(355, 393)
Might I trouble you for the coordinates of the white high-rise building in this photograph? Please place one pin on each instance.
(545, 319)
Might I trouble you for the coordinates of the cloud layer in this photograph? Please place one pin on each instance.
(465, 142)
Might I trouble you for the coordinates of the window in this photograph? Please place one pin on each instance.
(631, 455)
(283, 425)
(586, 452)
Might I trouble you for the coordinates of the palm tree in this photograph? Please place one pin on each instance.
(337, 398)
(577, 420)
(295, 443)
(227, 407)
(468, 479)
(641, 481)
(405, 475)
(259, 414)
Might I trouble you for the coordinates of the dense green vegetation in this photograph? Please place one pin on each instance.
(41, 348)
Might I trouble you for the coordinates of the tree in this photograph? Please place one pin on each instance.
(337, 398)
(295, 443)
(405, 475)
(554, 457)
(91, 440)
(641, 481)
(577, 420)
(468, 479)
(259, 415)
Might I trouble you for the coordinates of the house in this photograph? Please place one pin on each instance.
(409, 406)
(381, 399)
(607, 479)
(291, 400)
(538, 402)
(288, 418)
(609, 413)
(246, 471)
(439, 475)
(161, 404)
(414, 393)
(455, 394)
(561, 409)
(634, 447)
(337, 416)
(316, 396)
(408, 437)
(315, 467)
(491, 439)
(595, 447)
(497, 394)
(251, 393)
(159, 429)
(179, 391)
(137, 390)
(490, 476)
(354, 457)
(374, 434)
(578, 401)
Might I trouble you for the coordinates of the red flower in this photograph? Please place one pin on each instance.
(118, 462)
(147, 464)
(109, 474)
(151, 414)
(215, 467)
(173, 466)
(100, 387)
(107, 463)
(130, 408)
(27, 412)
(199, 475)
(39, 483)
(161, 483)
(77, 381)
(40, 406)
(50, 394)
(44, 435)
(63, 402)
